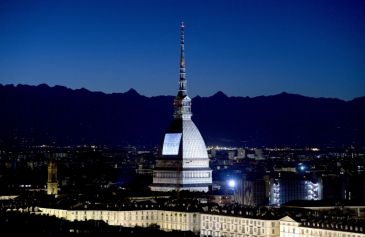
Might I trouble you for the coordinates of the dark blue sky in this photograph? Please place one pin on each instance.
(243, 48)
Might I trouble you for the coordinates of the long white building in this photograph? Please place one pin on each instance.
(167, 220)
(210, 224)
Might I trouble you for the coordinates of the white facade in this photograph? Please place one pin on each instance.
(291, 228)
(219, 225)
(205, 224)
(167, 220)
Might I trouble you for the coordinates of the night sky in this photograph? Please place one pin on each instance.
(243, 48)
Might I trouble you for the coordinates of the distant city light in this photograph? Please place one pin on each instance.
(231, 183)
(301, 167)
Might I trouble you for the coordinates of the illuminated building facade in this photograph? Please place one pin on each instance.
(166, 220)
(183, 163)
(52, 184)
(211, 224)
(222, 225)
(290, 187)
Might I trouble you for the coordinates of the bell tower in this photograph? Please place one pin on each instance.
(52, 184)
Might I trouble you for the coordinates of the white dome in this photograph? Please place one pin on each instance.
(184, 140)
(193, 145)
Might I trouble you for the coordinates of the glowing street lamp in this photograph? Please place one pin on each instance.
(232, 183)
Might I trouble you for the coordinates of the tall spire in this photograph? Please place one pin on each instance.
(182, 82)
(182, 102)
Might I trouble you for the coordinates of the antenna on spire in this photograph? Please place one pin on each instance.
(182, 48)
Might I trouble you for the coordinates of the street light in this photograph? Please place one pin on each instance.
(231, 183)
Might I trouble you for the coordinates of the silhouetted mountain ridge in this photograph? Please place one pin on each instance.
(44, 115)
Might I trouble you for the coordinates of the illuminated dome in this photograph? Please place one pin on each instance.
(183, 163)
(184, 140)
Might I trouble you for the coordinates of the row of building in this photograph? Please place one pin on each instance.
(222, 223)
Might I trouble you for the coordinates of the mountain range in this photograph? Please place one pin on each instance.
(34, 115)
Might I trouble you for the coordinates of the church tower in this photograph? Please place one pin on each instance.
(52, 184)
(183, 163)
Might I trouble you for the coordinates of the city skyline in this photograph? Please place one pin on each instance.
(238, 118)
(241, 48)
